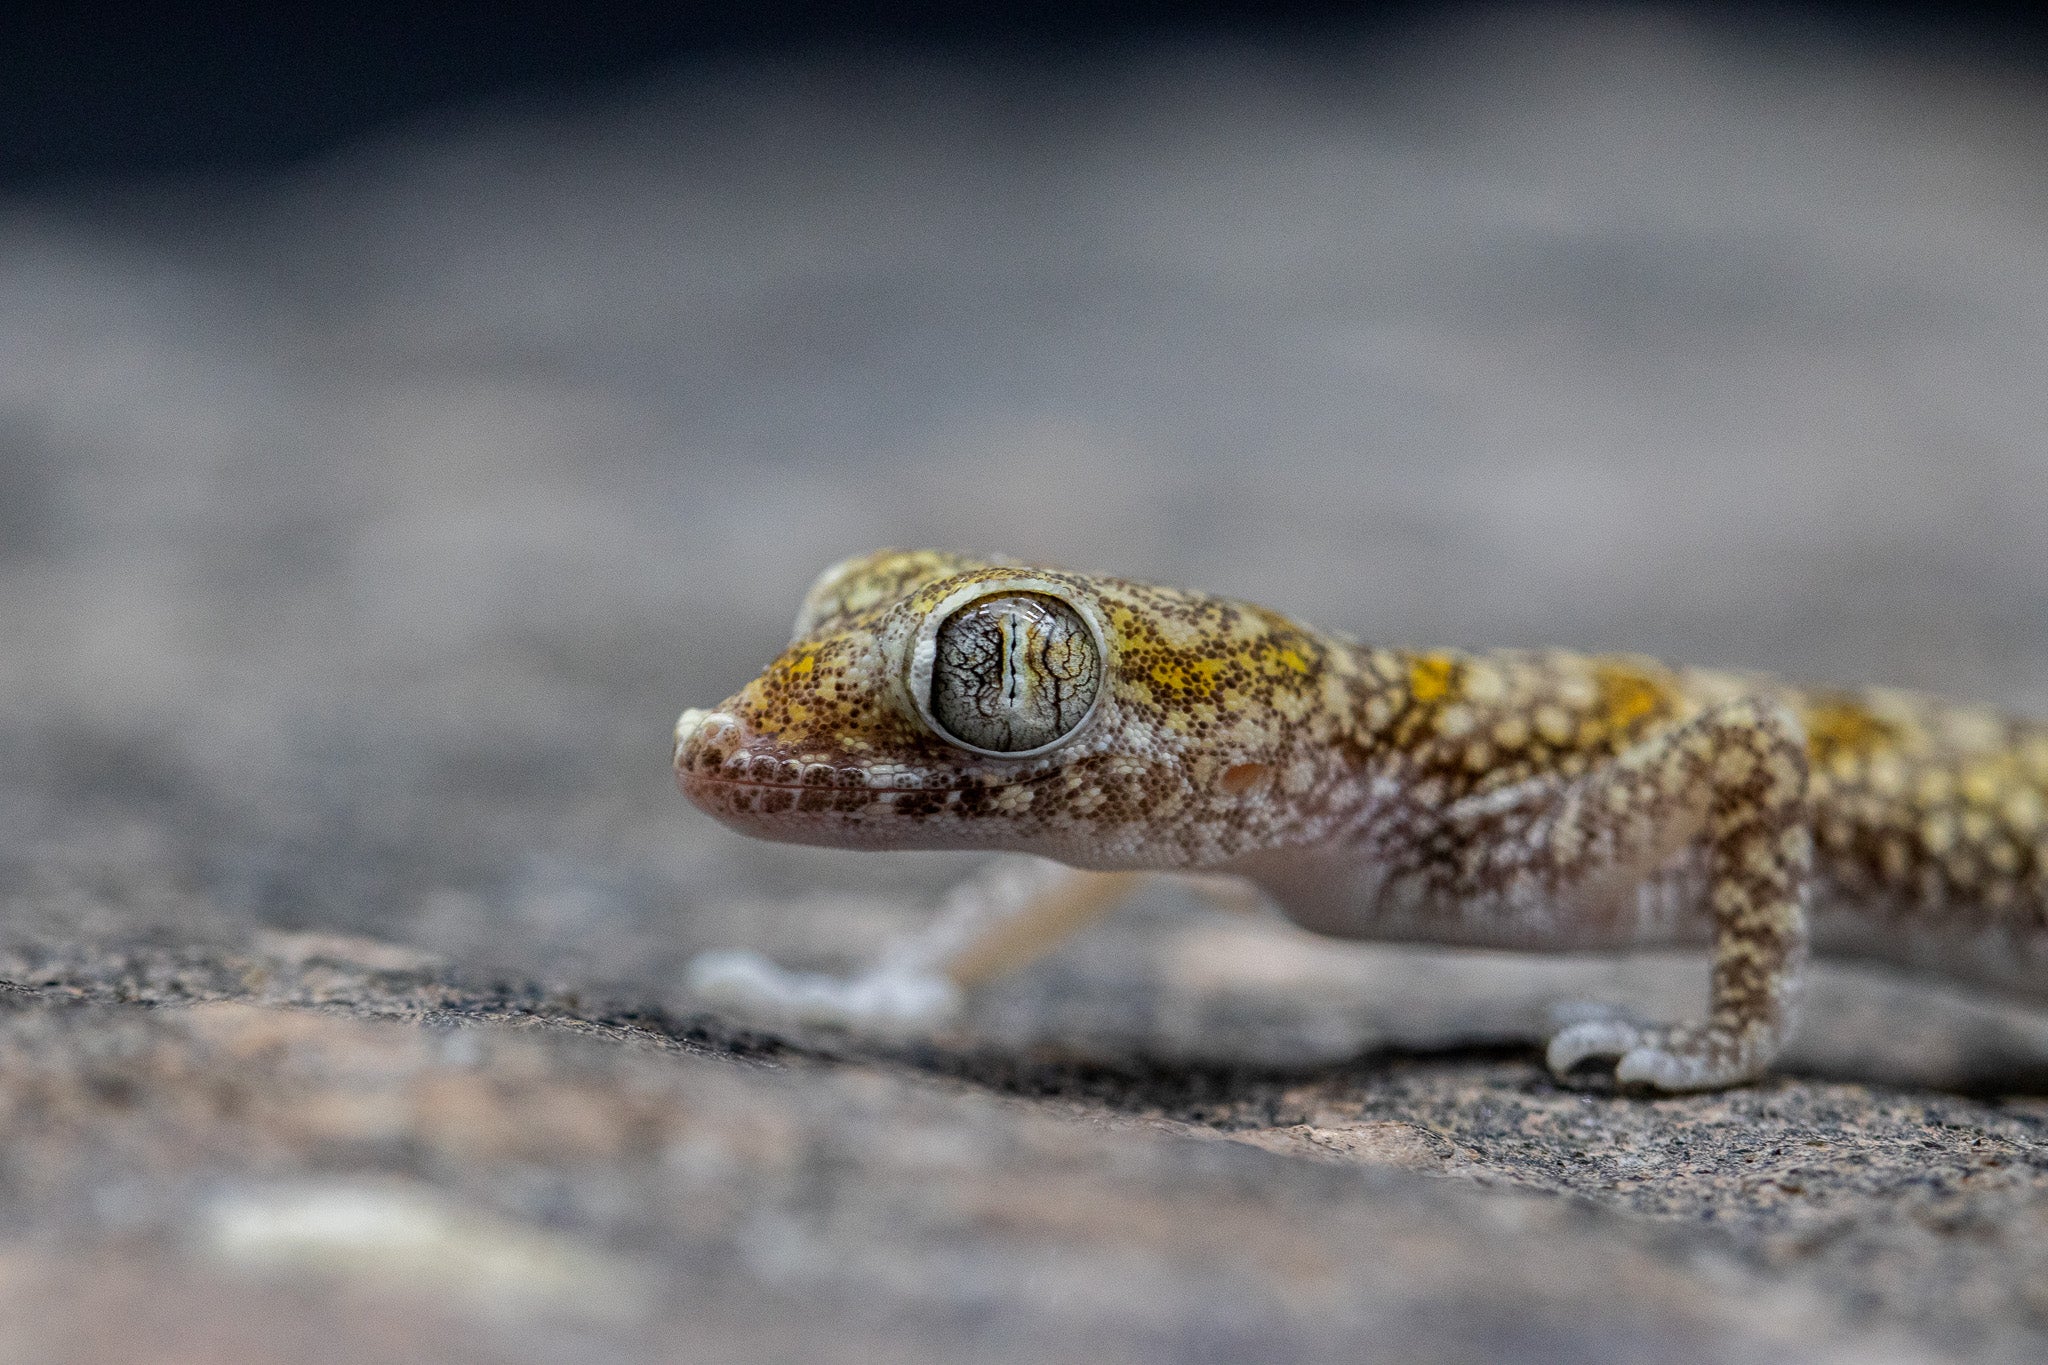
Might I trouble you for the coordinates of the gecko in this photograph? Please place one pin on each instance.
(1516, 799)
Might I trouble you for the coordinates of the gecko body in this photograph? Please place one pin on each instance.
(1529, 800)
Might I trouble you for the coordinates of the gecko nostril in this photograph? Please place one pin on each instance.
(689, 725)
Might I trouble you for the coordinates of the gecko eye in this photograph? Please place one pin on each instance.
(1013, 673)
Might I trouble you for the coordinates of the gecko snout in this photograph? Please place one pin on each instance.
(716, 750)
(704, 740)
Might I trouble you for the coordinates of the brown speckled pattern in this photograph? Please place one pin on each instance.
(1529, 800)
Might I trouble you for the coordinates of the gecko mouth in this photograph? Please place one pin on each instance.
(741, 769)
(711, 756)
(744, 773)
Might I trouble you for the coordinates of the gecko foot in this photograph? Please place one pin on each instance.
(887, 1002)
(1670, 1057)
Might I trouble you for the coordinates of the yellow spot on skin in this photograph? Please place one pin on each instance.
(1629, 695)
(1431, 677)
(1839, 728)
(804, 664)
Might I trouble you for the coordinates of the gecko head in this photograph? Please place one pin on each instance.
(934, 700)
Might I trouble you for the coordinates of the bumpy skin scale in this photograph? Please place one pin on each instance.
(1543, 801)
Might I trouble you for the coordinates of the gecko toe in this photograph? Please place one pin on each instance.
(885, 1003)
(734, 977)
(1590, 1040)
(1670, 1059)
(903, 1000)
(1658, 1069)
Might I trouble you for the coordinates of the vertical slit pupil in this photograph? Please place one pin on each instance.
(1013, 659)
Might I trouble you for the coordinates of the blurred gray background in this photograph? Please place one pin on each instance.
(367, 522)
(366, 518)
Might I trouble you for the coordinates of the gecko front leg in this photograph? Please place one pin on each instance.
(1016, 910)
(1730, 783)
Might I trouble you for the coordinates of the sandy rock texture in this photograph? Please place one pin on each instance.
(363, 530)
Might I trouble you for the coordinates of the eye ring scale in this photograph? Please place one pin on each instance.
(1009, 670)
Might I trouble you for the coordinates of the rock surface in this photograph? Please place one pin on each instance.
(361, 534)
